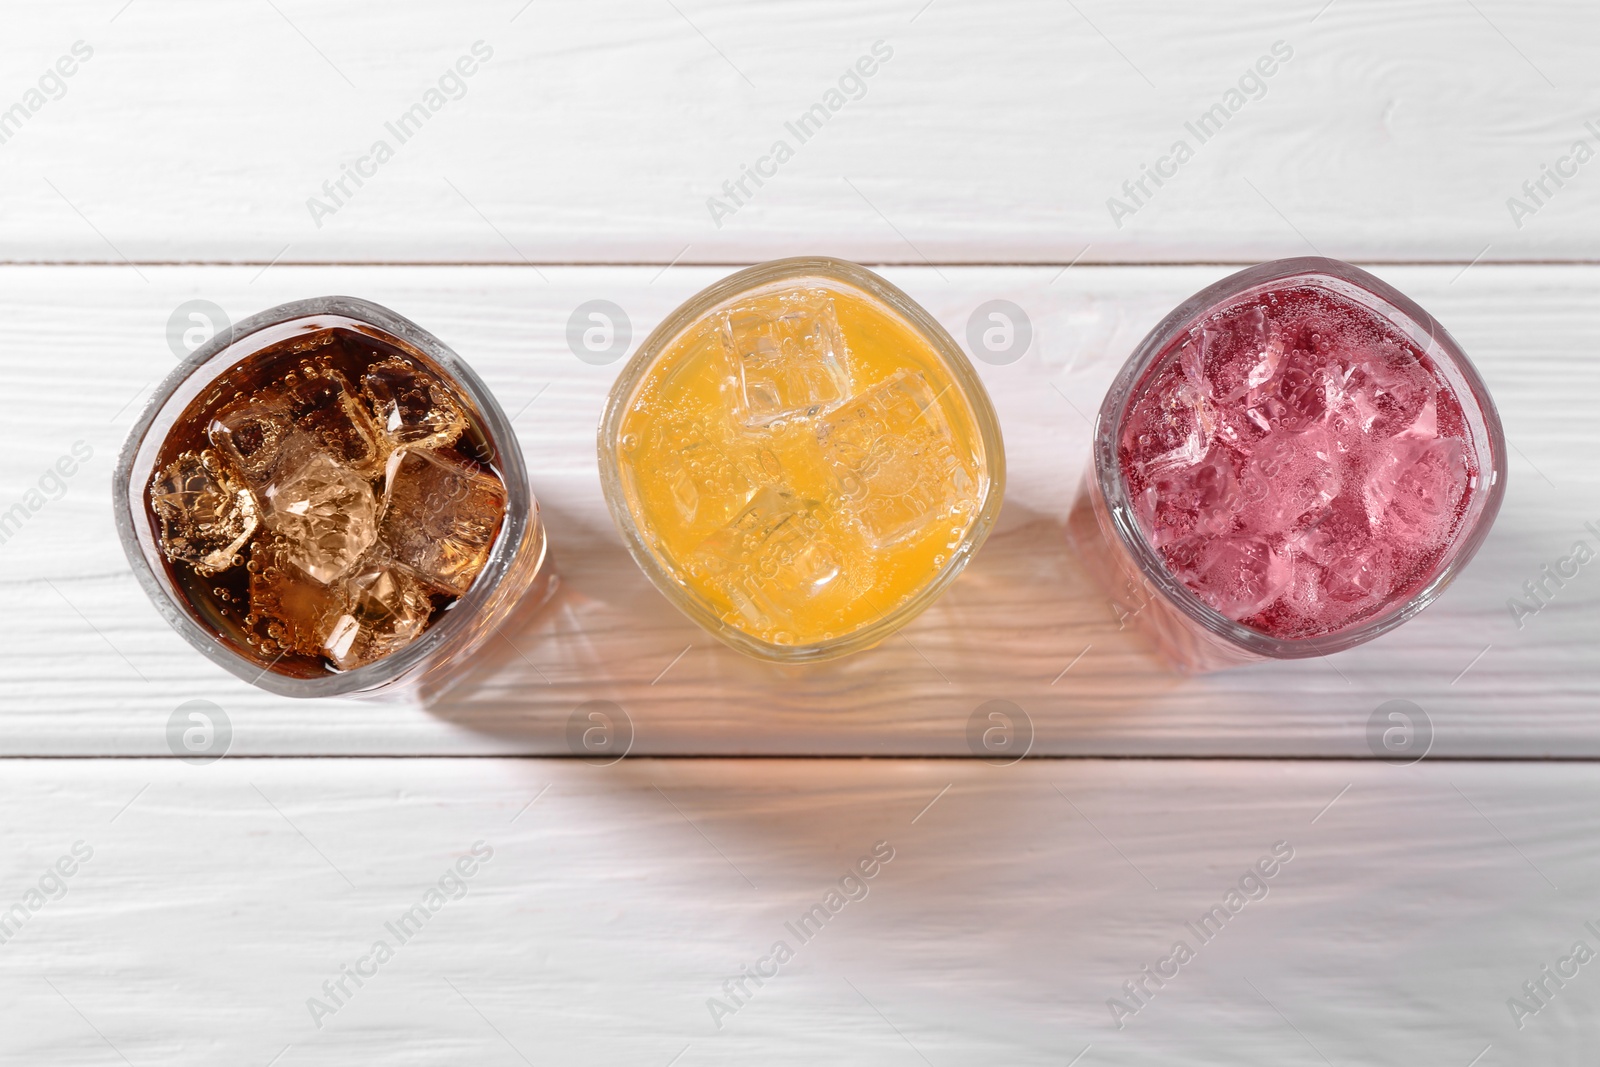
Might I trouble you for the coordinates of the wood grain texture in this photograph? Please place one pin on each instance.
(617, 901)
(995, 133)
(91, 669)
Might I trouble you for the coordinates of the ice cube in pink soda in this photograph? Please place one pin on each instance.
(1298, 461)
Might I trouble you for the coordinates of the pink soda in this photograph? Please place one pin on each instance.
(1305, 452)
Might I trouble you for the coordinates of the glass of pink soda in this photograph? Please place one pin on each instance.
(1296, 460)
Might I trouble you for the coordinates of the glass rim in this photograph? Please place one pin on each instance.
(1440, 346)
(687, 316)
(131, 519)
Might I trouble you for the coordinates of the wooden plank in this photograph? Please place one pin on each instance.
(995, 132)
(91, 669)
(616, 902)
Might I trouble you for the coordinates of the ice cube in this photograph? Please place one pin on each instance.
(1295, 398)
(251, 435)
(1238, 575)
(296, 612)
(1426, 425)
(705, 482)
(206, 519)
(1184, 500)
(1238, 352)
(323, 405)
(1362, 577)
(1383, 391)
(440, 516)
(1342, 529)
(1172, 424)
(789, 355)
(896, 462)
(1291, 478)
(412, 408)
(773, 557)
(277, 426)
(1415, 486)
(1304, 595)
(1303, 388)
(324, 512)
(385, 608)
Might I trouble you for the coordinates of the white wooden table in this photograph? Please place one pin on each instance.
(612, 911)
